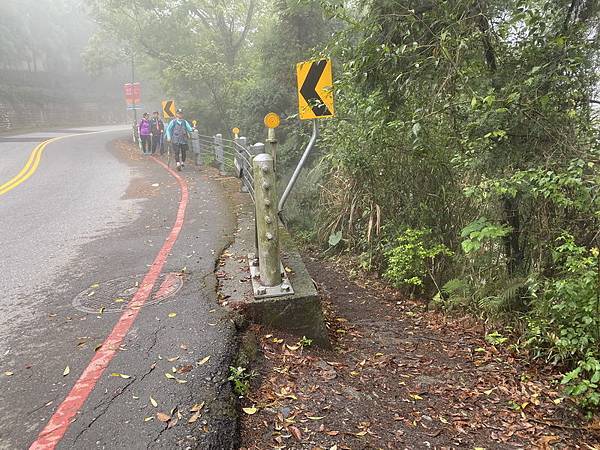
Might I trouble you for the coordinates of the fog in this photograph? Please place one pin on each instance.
(48, 75)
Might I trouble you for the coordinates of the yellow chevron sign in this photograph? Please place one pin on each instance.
(168, 107)
(315, 89)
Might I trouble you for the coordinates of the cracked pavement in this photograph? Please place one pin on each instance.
(96, 212)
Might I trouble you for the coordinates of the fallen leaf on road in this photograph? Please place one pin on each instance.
(121, 375)
(173, 359)
(315, 418)
(154, 402)
(119, 300)
(163, 417)
(97, 347)
(171, 315)
(9, 373)
(170, 376)
(148, 419)
(203, 361)
(194, 417)
(67, 371)
(181, 381)
(94, 286)
(197, 407)
(250, 411)
(185, 369)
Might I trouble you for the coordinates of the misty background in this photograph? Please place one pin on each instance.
(44, 80)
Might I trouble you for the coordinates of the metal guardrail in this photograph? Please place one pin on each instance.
(231, 157)
(256, 170)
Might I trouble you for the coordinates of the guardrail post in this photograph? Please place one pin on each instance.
(219, 154)
(135, 132)
(241, 163)
(257, 148)
(196, 147)
(267, 223)
(272, 143)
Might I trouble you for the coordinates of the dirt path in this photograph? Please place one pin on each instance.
(401, 377)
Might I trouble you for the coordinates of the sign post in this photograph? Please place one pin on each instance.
(315, 101)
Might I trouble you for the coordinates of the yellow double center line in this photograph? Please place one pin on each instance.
(29, 169)
(34, 161)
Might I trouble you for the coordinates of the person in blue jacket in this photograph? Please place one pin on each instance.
(178, 133)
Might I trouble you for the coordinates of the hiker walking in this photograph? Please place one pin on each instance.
(145, 133)
(158, 128)
(177, 134)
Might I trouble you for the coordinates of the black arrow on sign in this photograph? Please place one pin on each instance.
(167, 108)
(309, 91)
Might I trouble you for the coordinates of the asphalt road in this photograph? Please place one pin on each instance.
(76, 240)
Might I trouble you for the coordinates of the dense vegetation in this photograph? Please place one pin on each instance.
(464, 162)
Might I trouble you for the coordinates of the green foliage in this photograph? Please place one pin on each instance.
(335, 238)
(240, 379)
(583, 382)
(564, 326)
(454, 110)
(412, 258)
(476, 233)
(495, 338)
(305, 342)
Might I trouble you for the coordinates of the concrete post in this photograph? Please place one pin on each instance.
(257, 148)
(219, 156)
(241, 163)
(272, 146)
(195, 146)
(267, 224)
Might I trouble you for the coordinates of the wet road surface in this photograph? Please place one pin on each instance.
(77, 239)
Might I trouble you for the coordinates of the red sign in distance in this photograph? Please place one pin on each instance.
(133, 93)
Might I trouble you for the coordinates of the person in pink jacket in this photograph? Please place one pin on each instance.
(145, 130)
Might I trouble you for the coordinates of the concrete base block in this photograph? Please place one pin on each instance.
(299, 314)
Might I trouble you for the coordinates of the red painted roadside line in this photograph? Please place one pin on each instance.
(66, 413)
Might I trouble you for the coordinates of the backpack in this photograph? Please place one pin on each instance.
(145, 127)
(180, 134)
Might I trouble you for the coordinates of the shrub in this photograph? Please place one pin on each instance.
(564, 325)
(412, 259)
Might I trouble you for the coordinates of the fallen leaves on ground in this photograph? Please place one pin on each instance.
(401, 377)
